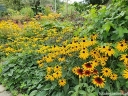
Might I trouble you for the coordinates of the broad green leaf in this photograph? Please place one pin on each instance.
(66, 88)
(75, 94)
(33, 93)
(77, 87)
(107, 26)
(39, 86)
(91, 94)
(11, 72)
(127, 84)
(42, 93)
(82, 92)
(47, 87)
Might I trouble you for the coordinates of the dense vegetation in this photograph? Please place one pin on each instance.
(84, 53)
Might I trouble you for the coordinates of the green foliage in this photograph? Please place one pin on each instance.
(27, 11)
(111, 25)
(83, 89)
(80, 7)
(3, 10)
(21, 73)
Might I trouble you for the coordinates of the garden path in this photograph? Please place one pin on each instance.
(3, 91)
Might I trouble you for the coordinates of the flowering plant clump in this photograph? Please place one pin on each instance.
(50, 59)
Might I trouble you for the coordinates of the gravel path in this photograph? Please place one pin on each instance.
(3, 91)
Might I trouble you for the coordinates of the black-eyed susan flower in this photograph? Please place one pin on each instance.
(57, 74)
(125, 73)
(103, 49)
(57, 68)
(88, 66)
(41, 65)
(51, 78)
(106, 72)
(83, 54)
(79, 72)
(113, 76)
(61, 59)
(92, 42)
(87, 72)
(102, 63)
(94, 53)
(121, 46)
(94, 36)
(48, 59)
(47, 77)
(95, 62)
(62, 82)
(124, 57)
(95, 71)
(99, 81)
(109, 52)
(49, 70)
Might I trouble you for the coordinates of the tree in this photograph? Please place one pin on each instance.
(99, 2)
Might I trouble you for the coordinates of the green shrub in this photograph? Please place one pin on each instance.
(21, 72)
(27, 11)
(3, 10)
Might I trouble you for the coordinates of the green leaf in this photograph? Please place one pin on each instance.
(77, 87)
(33, 93)
(11, 72)
(107, 26)
(82, 92)
(126, 17)
(127, 84)
(75, 94)
(39, 86)
(47, 87)
(91, 94)
(66, 88)
(118, 85)
(42, 93)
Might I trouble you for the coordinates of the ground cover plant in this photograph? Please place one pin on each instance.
(48, 57)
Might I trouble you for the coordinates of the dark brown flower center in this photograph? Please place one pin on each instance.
(87, 72)
(127, 56)
(109, 49)
(99, 80)
(80, 71)
(83, 40)
(122, 45)
(88, 65)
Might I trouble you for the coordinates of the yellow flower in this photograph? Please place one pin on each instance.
(99, 81)
(109, 52)
(57, 74)
(124, 57)
(47, 77)
(41, 65)
(49, 70)
(88, 66)
(121, 46)
(83, 54)
(125, 73)
(61, 59)
(113, 76)
(57, 68)
(62, 82)
(106, 72)
(87, 72)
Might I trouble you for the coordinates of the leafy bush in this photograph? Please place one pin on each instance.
(3, 10)
(21, 72)
(27, 11)
(111, 25)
